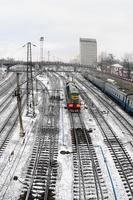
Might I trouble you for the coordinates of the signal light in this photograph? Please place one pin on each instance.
(78, 106)
(70, 105)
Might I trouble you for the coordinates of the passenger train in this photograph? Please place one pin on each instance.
(125, 100)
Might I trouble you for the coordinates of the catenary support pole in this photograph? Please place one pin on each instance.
(22, 133)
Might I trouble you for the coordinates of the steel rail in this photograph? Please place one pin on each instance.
(37, 157)
(126, 124)
(80, 170)
(51, 144)
(94, 168)
(2, 145)
(104, 129)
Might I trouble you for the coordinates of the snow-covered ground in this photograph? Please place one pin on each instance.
(4, 76)
(110, 174)
(64, 185)
(15, 159)
(19, 150)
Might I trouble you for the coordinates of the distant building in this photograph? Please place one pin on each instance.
(88, 51)
(116, 69)
(3, 70)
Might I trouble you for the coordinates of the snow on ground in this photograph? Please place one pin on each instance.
(45, 80)
(27, 145)
(7, 111)
(5, 76)
(16, 156)
(105, 160)
(3, 98)
(111, 176)
(124, 136)
(64, 185)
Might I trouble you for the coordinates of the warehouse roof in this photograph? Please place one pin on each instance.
(117, 66)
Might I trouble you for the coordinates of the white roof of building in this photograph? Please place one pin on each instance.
(117, 66)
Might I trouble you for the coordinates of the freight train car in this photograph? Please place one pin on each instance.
(72, 97)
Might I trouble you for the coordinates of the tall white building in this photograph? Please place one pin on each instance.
(88, 51)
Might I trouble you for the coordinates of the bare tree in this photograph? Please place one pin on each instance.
(128, 63)
(106, 60)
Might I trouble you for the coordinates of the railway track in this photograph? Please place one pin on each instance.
(7, 127)
(8, 176)
(126, 124)
(9, 167)
(42, 170)
(9, 122)
(122, 160)
(8, 78)
(5, 103)
(8, 98)
(88, 180)
(7, 86)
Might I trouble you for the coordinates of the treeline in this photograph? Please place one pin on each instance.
(126, 61)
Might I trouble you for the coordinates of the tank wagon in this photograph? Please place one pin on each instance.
(72, 97)
(125, 100)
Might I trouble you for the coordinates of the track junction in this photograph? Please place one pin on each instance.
(31, 167)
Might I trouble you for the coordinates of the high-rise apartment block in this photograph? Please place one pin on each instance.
(88, 51)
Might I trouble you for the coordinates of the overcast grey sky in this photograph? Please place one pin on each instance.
(62, 23)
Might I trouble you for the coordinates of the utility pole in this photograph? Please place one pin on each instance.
(30, 89)
(17, 94)
(48, 55)
(36, 91)
(41, 49)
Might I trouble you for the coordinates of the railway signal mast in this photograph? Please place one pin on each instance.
(30, 89)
